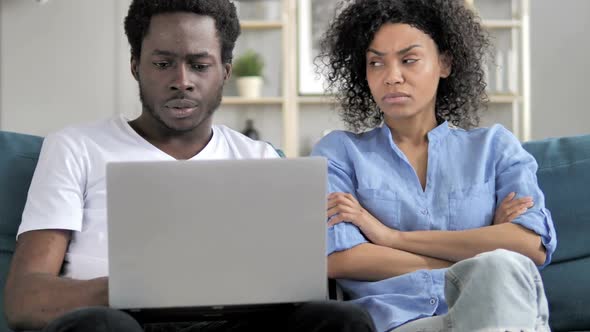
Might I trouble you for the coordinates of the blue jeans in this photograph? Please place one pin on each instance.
(498, 291)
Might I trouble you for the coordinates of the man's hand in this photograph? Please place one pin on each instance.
(511, 208)
(343, 207)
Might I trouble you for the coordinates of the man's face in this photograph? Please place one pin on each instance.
(180, 72)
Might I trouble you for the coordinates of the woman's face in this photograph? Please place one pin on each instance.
(403, 71)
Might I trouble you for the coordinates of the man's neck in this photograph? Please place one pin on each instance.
(179, 145)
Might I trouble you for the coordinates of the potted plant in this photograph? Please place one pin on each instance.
(247, 69)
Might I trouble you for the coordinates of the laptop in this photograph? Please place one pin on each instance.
(210, 238)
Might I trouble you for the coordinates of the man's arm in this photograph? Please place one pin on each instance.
(370, 262)
(34, 293)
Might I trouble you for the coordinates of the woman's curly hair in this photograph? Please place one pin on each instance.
(455, 29)
(140, 13)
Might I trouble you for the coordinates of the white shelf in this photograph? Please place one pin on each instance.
(261, 25)
(504, 98)
(327, 100)
(240, 101)
(502, 24)
(311, 100)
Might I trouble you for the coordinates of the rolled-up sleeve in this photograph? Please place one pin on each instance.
(344, 235)
(517, 172)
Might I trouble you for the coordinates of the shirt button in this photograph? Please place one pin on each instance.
(432, 301)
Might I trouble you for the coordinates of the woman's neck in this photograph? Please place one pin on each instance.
(413, 130)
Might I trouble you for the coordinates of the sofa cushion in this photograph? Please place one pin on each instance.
(564, 177)
(18, 158)
(567, 289)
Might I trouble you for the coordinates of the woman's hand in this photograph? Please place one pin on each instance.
(511, 208)
(343, 207)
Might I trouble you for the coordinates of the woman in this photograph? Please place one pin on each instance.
(413, 197)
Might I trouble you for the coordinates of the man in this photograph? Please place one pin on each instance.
(181, 54)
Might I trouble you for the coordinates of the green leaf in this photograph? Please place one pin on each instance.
(248, 64)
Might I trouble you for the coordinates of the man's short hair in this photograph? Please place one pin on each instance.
(140, 13)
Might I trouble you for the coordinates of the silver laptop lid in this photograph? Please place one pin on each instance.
(216, 233)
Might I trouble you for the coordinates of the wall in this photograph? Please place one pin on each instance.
(66, 62)
(560, 53)
(56, 63)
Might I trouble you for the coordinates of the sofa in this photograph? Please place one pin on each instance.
(564, 176)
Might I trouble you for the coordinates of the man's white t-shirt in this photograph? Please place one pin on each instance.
(68, 189)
